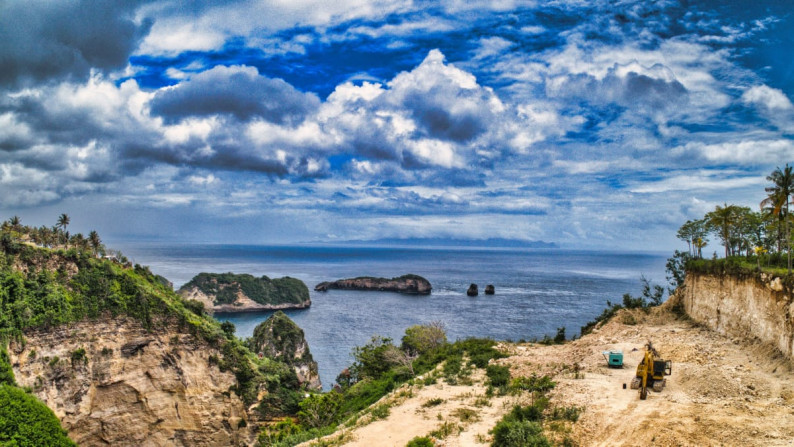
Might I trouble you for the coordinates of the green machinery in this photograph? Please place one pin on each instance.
(614, 358)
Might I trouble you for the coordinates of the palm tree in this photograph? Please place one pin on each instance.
(722, 221)
(15, 221)
(96, 243)
(779, 195)
(63, 221)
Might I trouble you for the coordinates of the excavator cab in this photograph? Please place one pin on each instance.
(662, 368)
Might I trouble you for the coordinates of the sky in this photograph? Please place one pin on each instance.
(599, 124)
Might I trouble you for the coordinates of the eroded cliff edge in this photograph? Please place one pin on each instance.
(746, 306)
(113, 382)
(123, 360)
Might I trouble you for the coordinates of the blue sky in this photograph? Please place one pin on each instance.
(592, 124)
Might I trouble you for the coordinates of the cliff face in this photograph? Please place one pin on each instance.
(280, 338)
(228, 292)
(111, 382)
(411, 284)
(750, 307)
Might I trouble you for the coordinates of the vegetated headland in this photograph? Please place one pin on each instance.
(105, 352)
(229, 292)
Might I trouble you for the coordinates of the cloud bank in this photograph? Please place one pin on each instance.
(586, 124)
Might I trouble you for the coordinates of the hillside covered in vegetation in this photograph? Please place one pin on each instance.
(236, 292)
(49, 286)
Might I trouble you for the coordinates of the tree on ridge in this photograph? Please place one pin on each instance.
(63, 221)
(722, 220)
(778, 197)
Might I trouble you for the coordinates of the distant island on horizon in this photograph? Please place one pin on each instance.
(453, 242)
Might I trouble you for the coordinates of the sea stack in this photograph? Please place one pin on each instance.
(280, 338)
(472, 290)
(489, 289)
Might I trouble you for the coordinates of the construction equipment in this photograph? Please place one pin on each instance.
(651, 372)
(614, 358)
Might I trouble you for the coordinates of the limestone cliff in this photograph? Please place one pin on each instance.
(229, 292)
(280, 338)
(754, 306)
(112, 382)
(411, 284)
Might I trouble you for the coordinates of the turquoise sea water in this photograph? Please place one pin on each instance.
(537, 291)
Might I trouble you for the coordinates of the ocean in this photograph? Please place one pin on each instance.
(537, 290)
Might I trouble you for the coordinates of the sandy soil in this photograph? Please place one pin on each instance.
(722, 392)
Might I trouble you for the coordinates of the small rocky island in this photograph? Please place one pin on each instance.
(410, 284)
(280, 338)
(229, 292)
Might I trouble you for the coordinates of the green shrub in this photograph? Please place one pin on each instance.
(445, 429)
(498, 376)
(424, 338)
(420, 441)
(567, 413)
(78, 356)
(195, 306)
(466, 415)
(372, 360)
(533, 413)
(25, 421)
(380, 411)
(320, 410)
(533, 383)
(228, 328)
(514, 433)
(452, 366)
(6, 372)
(433, 402)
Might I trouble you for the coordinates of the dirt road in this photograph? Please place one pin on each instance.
(722, 392)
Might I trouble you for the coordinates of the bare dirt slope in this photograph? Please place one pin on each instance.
(722, 392)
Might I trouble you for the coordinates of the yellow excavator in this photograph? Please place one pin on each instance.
(651, 372)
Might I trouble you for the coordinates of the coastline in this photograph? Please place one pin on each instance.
(228, 309)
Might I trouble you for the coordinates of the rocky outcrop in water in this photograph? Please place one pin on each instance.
(489, 289)
(229, 292)
(280, 338)
(411, 284)
(472, 290)
(113, 382)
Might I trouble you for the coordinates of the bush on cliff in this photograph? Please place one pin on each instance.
(6, 373)
(26, 421)
(423, 338)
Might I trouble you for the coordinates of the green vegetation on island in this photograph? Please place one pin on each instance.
(280, 338)
(225, 288)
